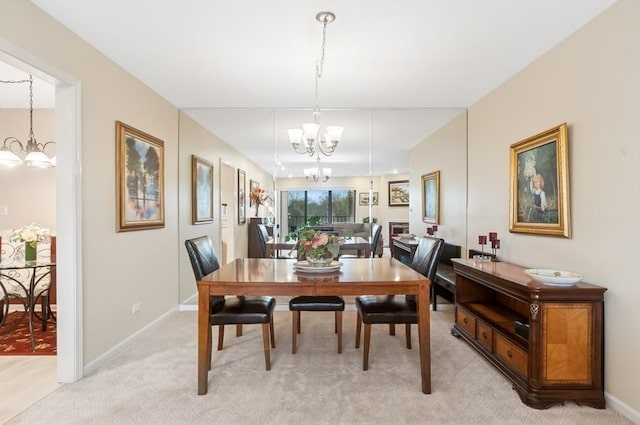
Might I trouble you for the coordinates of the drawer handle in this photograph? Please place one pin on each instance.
(509, 353)
(465, 320)
(484, 335)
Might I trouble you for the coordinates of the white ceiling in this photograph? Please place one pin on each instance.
(394, 71)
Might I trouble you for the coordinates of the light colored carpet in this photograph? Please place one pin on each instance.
(153, 381)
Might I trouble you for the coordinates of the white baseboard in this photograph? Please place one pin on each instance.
(92, 366)
(622, 408)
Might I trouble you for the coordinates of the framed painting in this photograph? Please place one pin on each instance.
(399, 193)
(201, 190)
(364, 198)
(253, 184)
(140, 179)
(431, 197)
(242, 206)
(539, 184)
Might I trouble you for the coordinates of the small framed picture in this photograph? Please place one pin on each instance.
(242, 198)
(364, 198)
(539, 184)
(201, 190)
(430, 197)
(399, 193)
(140, 179)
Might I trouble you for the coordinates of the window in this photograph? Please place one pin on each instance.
(320, 206)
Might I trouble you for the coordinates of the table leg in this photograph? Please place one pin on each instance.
(424, 334)
(204, 337)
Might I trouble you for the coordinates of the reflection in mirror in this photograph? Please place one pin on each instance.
(375, 148)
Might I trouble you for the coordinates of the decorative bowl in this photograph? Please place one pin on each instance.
(407, 236)
(554, 277)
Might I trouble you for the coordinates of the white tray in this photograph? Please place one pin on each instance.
(304, 266)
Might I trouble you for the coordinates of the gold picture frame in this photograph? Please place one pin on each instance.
(431, 197)
(201, 190)
(399, 193)
(140, 179)
(539, 184)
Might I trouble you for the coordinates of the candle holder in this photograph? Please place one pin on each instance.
(495, 246)
(431, 231)
(482, 240)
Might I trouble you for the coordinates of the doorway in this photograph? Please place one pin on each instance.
(68, 206)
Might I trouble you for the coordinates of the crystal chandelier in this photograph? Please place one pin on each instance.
(307, 140)
(12, 149)
(317, 173)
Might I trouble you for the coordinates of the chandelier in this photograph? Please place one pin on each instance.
(307, 140)
(317, 173)
(12, 150)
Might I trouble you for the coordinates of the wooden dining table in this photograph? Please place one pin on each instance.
(278, 277)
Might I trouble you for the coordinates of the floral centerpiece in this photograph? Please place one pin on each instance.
(30, 235)
(259, 196)
(317, 247)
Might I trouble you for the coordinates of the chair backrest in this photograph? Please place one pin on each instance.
(425, 260)
(202, 256)
(263, 237)
(376, 231)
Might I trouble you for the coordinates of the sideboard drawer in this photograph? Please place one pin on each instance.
(511, 354)
(485, 335)
(466, 320)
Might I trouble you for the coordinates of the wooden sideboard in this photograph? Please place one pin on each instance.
(548, 340)
(253, 246)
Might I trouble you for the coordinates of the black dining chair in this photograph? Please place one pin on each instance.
(315, 303)
(392, 310)
(234, 310)
(376, 233)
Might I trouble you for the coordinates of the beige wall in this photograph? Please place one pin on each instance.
(195, 140)
(146, 261)
(28, 193)
(444, 151)
(591, 82)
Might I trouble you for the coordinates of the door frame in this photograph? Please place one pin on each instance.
(68, 205)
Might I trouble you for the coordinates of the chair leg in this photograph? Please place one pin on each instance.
(295, 315)
(367, 340)
(273, 335)
(407, 332)
(299, 322)
(44, 304)
(209, 354)
(239, 329)
(335, 325)
(392, 329)
(220, 336)
(358, 327)
(265, 343)
(339, 326)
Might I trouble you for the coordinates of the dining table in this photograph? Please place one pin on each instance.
(25, 290)
(279, 277)
(349, 243)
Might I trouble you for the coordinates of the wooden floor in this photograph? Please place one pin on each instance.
(25, 380)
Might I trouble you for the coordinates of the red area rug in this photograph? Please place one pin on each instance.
(15, 338)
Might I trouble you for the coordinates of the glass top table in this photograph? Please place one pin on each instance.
(14, 286)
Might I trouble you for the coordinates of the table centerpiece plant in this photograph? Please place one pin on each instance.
(30, 234)
(317, 247)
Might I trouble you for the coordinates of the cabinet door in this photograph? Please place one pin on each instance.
(567, 343)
